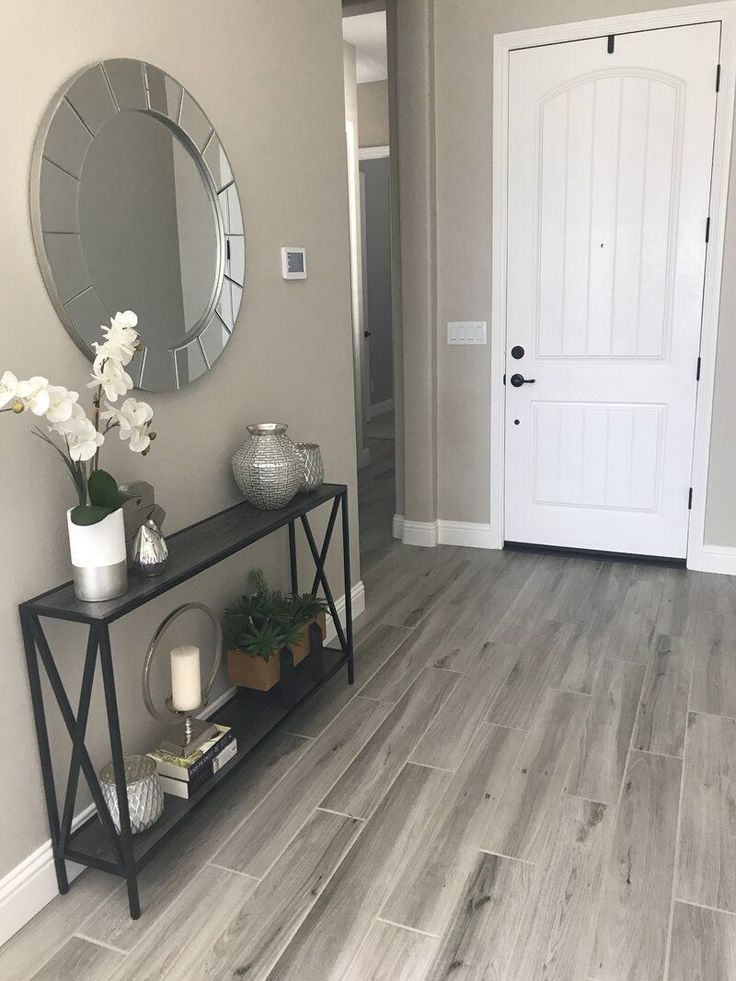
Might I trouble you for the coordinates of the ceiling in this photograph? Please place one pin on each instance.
(367, 34)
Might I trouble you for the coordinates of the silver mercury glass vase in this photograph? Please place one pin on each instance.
(266, 468)
(314, 471)
(145, 793)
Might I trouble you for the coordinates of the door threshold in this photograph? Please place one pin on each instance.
(590, 553)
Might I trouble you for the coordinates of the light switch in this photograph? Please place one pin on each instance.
(466, 332)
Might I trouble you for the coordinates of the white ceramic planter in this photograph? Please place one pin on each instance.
(99, 560)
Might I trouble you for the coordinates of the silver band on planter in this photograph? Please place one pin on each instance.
(105, 582)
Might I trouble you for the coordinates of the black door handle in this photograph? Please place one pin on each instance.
(366, 333)
(518, 380)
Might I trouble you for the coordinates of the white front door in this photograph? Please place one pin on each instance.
(610, 149)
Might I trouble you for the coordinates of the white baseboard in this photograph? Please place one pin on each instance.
(422, 533)
(713, 558)
(357, 594)
(430, 533)
(467, 533)
(380, 408)
(27, 888)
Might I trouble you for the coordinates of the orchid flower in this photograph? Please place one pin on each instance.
(134, 419)
(62, 403)
(110, 376)
(121, 340)
(35, 395)
(8, 389)
(82, 439)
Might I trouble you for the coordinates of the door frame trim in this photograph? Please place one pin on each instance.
(698, 554)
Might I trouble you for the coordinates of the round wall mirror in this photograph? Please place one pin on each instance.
(134, 207)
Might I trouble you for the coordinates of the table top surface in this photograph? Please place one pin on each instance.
(191, 551)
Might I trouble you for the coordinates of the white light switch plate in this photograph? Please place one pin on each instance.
(466, 332)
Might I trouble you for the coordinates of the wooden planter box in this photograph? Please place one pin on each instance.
(252, 671)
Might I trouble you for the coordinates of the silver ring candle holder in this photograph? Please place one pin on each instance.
(187, 734)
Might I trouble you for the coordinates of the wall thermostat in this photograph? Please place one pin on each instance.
(293, 263)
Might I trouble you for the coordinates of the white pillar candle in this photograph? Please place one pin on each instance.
(186, 680)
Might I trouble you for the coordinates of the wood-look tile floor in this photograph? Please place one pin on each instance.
(533, 777)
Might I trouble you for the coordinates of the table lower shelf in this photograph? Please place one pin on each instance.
(252, 715)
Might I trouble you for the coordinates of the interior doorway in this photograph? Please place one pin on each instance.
(372, 269)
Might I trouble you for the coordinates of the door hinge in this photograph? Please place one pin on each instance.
(690, 500)
(718, 78)
(611, 43)
(707, 229)
(697, 371)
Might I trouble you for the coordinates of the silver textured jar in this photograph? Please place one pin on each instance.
(145, 793)
(314, 471)
(267, 468)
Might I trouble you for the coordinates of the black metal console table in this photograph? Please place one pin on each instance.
(96, 843)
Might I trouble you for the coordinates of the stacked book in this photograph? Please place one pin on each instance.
(183, 776)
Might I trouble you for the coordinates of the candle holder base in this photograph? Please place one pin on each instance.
(185, 737)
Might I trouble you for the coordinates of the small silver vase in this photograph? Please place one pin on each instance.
(266, 468)
(150, 551)
(314, 471)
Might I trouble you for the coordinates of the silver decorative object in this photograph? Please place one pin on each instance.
(314, 471)
(187, 735)
(145, 794)
(267, 468)
(150, 552)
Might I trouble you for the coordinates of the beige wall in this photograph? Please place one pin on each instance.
(373, 113)
(270, 75)
(462, 67)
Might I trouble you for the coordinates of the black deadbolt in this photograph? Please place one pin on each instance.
(518, 380)
(517, 352)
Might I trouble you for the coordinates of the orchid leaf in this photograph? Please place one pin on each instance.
(89, 514)
(104, 491)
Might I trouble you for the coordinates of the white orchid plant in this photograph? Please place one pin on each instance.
(75, 436)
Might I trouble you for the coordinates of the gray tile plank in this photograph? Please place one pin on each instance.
(329, 937)
(256, 927)
(56, 922)
(365, 782)
(221, 815)
(703, 944)
(707, 858)
(632, 632)
(478, 942)
(579, 654)
(420, 650)
(555, 934)
(374, 645)
(662, 719)
(604, 743)
(80, 959)
(265, 834)
(389, 951)
(633, 920)
(426, 894)
(477, 616)
(449, 736)
(714, 653)
(522, 822)
(405, 599)
(189, 928)
(540, 664)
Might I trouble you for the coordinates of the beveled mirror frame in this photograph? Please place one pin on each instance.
(77, 114)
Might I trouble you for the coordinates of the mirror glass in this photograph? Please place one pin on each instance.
(136, 208)
(148, 227)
